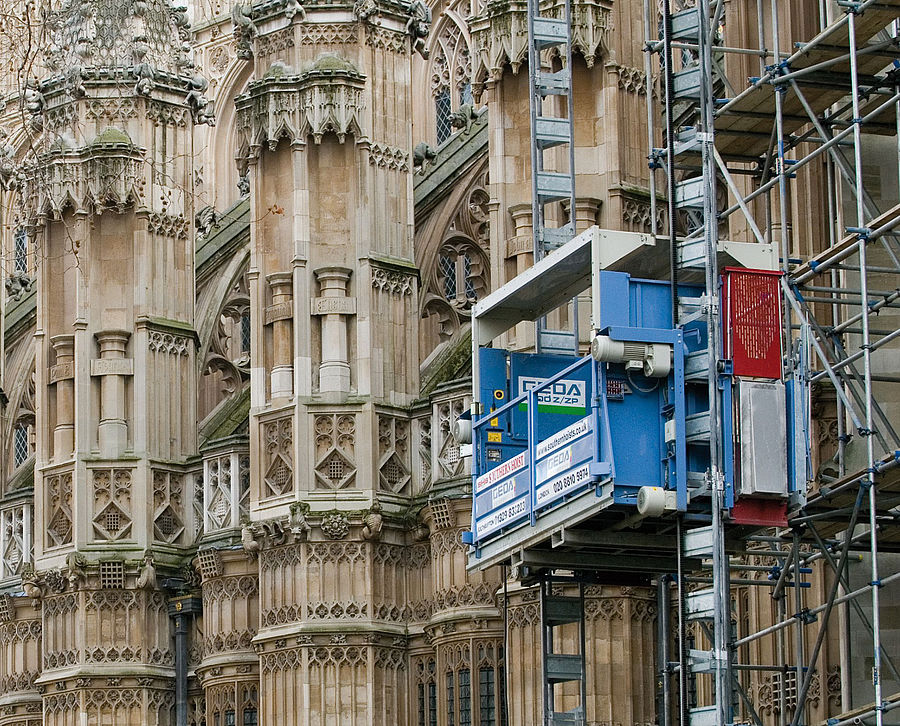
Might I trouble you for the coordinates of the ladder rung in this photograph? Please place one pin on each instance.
(562, 610)
(550, 84)
(554, 237)
(700, 604)
(686, 25)
(548, 31)
(551, 131)
(574, 716)
(696, 366)
(552, 186)
(698, 542)
(705, 716)
(696, 427)
(557, 341)
(692, 254)
(561, 668)
(689, 193)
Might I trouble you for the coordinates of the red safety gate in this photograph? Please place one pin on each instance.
(752, 321)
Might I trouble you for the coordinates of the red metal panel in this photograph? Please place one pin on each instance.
(752, 321)
(760, 512)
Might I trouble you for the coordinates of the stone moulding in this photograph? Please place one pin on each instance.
(98, 176)
(500, 35)
(313, 103)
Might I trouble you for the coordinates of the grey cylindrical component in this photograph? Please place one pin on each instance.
(462, 430)
(651, 501)
(656, 357)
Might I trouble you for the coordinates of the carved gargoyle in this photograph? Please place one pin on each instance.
(201, 108)
(245, 30)
(373, 522)
(249, 542)
(75, 565)
(464, 117)
(147, 579)
(418, 26)
(422, 154)
(298, 522)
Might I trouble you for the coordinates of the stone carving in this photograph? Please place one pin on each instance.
(449, 462)
(107, 173)
(418, 26)
(393, 281)
(59, 509)
(325, 98)
(278, 442)
(249, 542)
(233, 640)
(335, 438)
(201, 108)
(422, 155)
(336, 610)
(298, 522)
(147, 577)
(464, 117)
(351, 552)
(373, 522)
(388, 157)
(500, 35)
(335, 525)
(632, 80)
(393, 452)
(169, 343)
(18, 284)
(112, 503)
(168, 506)
(245, 30)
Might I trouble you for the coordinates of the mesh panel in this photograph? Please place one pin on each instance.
(20, 445)
(112, 575)
(442, 112)
(448, 270)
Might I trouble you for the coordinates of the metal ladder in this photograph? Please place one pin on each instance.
(561, 667)
(547, 132)
(698, 251)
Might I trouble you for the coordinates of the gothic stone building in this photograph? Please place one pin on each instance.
(235, 339)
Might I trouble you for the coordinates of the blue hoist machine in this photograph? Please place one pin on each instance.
(632, 459)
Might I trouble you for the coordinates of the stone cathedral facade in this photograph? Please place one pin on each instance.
(236, 339)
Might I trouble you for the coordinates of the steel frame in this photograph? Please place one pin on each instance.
(813, 110)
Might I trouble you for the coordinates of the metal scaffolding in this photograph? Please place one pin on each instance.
(729, 159)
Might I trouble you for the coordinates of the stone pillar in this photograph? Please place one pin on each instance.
(587, 210)
(112, 367)
(63, 375)
(280, 315)
(521, 245)
(333, 306)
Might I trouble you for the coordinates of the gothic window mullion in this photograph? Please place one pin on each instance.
(234, 496)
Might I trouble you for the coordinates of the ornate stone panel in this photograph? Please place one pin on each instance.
(335, 450)
(112, 513)
(278, 477)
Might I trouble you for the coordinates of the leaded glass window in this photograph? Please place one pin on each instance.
(442, 111)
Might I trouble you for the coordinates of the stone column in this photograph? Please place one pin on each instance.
(333, 306)
(63, 375)
(112, 367)
(280, 315)
(587, 210)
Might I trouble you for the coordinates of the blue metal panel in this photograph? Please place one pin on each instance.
(561, 404)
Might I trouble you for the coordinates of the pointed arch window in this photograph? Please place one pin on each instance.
(20, 241)
(451, 70)
(461, 269)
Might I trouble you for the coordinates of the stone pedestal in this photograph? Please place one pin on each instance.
(280, 315)
(111, 368)
(334, 306)
(63, 375)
